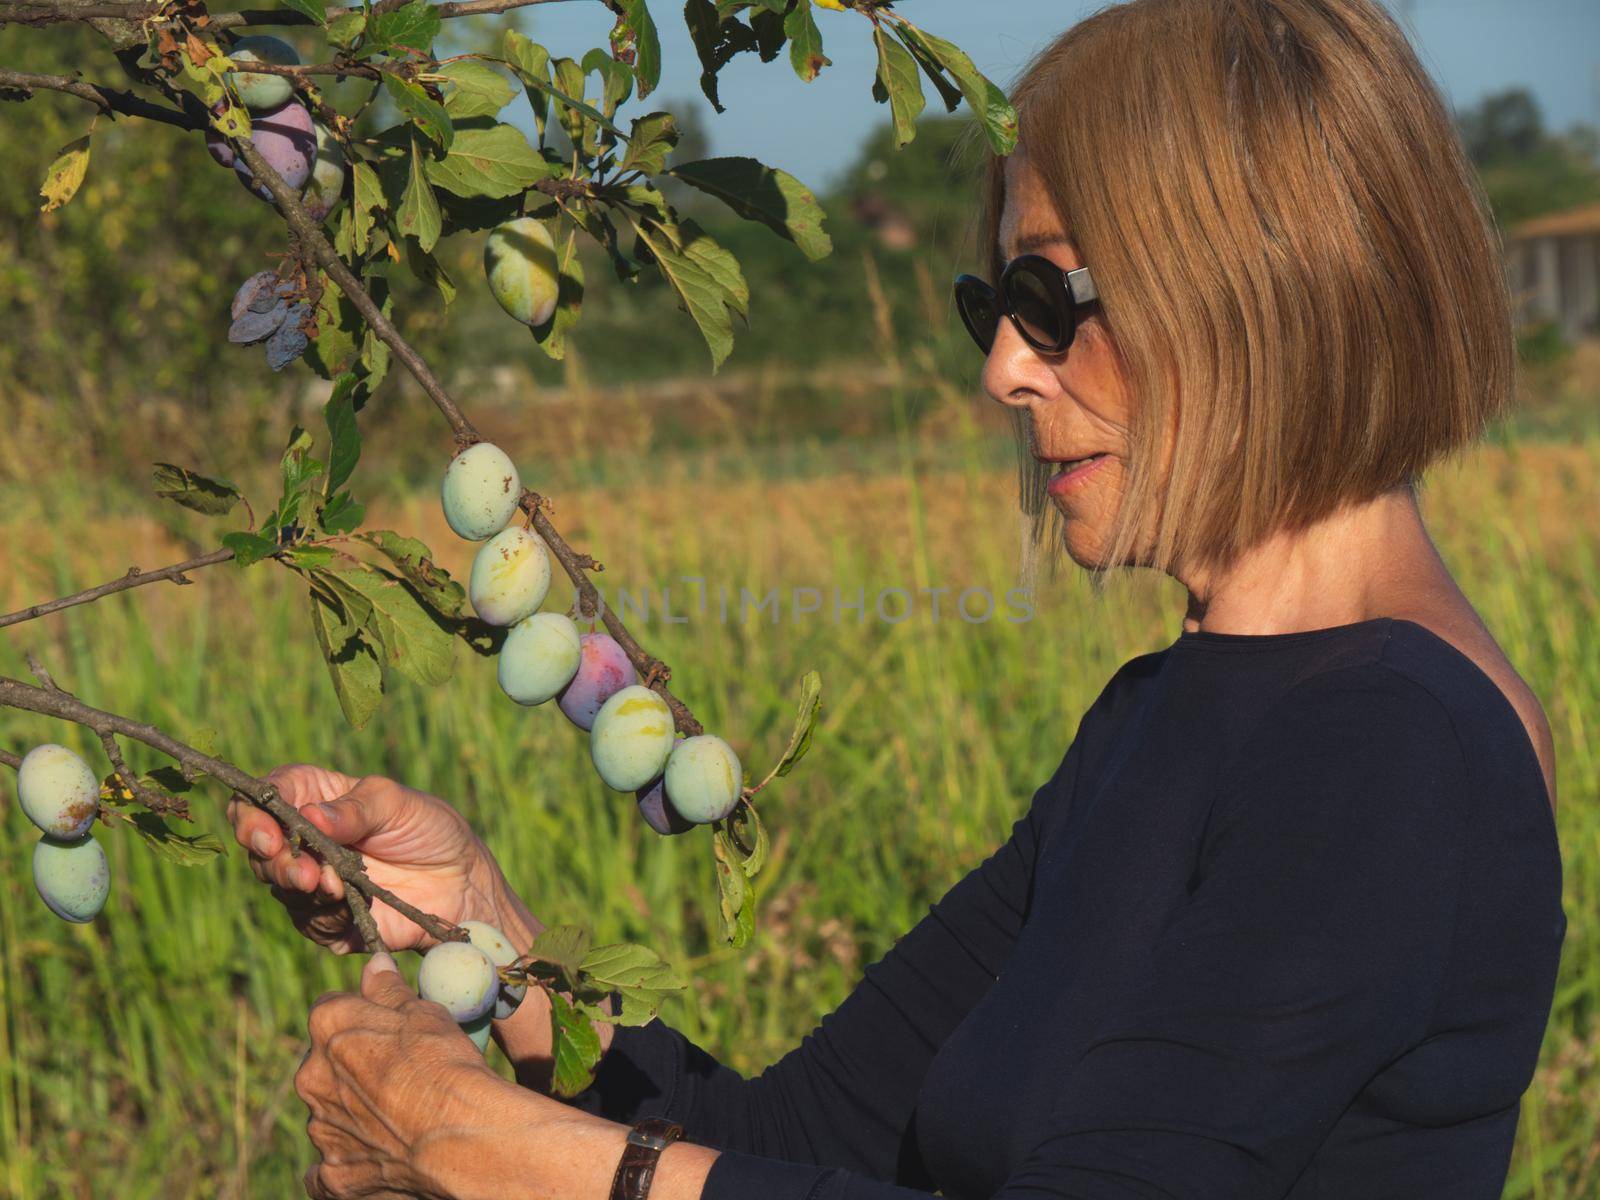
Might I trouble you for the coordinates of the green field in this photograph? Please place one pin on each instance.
(150, 1054)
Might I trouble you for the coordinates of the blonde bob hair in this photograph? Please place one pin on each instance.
(1296, 262)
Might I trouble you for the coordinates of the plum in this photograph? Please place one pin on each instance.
(703, 778)
(459, 976)
(480, 491)
(658, 812)
(502, 954)
(604, 671)
(539, 657)
(327, 175)
(258, 91)
(286, 140)
(58, 791)
(478, 1031)
(73, 877)
(219, 148)
(520, 260)
(510, 576)
(631, 738)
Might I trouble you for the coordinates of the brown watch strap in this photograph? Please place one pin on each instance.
(637, 1170)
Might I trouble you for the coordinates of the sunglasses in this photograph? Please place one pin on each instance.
(1042, 300)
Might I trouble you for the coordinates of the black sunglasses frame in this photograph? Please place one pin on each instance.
(1068, 291)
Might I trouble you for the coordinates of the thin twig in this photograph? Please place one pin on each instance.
(362, 916)
(134, 578)
(50, 12)
(107, 100)
(156, 802)
(14, 761)
(347, 863)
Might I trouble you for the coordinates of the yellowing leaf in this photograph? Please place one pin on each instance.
(65, 176)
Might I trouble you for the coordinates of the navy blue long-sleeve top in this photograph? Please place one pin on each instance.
(1284, 922)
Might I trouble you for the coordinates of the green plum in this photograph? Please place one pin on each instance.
(58, 791)
(459, 976)
(510, 576)
(73, 877)
(502, 954)
(259, 91)
(480, 492)
(327, 175)
(631, 738)
(478, 1030)
(703, 778)
(520, 260)
(539, 657)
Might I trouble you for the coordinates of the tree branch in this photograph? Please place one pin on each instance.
(107, 100)
(14, 761)
(134, 578)
(53, 702)
(50, 12)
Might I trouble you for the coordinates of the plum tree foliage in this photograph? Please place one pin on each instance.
(358, 196)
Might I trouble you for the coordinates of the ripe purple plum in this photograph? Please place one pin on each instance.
(604, 671)
(520, 260)
(327, 175)
(704, 778)
(58, 791)
(73, 877)
(658, 812)
(257, 90)
(502, 954)
(631, 739)
(480, 491)
(539, 657)
(459, 976)
(510, 576)
(285, 138)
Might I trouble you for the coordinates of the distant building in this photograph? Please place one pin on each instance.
(1553, 265)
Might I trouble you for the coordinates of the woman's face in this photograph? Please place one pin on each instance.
(1077, 401)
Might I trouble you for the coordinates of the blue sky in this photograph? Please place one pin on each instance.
(813, 130)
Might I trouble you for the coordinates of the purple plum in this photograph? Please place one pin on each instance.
(603, 671)
(658, 812)
(287, 140)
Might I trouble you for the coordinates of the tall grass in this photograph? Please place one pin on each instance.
(150, 1053)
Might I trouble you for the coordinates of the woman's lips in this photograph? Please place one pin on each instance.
(1073, 475)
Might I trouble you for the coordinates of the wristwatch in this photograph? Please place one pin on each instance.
(637, 1170)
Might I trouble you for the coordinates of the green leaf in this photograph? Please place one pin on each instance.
(575, 114)
(413, 26)
(65, 175)
(805, 41)
(988, 102)
(948, 91)
(248, 547)
(616, 78)
(758, 192)
(315, 9)
(352, 664)
(563, 945)
(704, 295)
(214, 497)
(572, 103)
(575, 1047)
(418, 215)
(415, 563)
(531, 62)
(411, 641)
(298, 469)
(749, 835)
(493, 162)
(339, 326)
(646, 45)
(805, 720)
(475, 89)
(341, 514)
(636, 973)
(344, 438)
(899, 84)
(347, 27)
(175, 847)
(308, 558)
(551, 336)
(368, 199)
(717, 38)
(735, 892)
(420, 108)
(652, 139)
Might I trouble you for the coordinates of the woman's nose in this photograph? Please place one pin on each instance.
(1014, 373)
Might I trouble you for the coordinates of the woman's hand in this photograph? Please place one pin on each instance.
(398, 1095)
(414, 844)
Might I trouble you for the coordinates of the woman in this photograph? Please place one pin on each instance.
(1285, 921)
